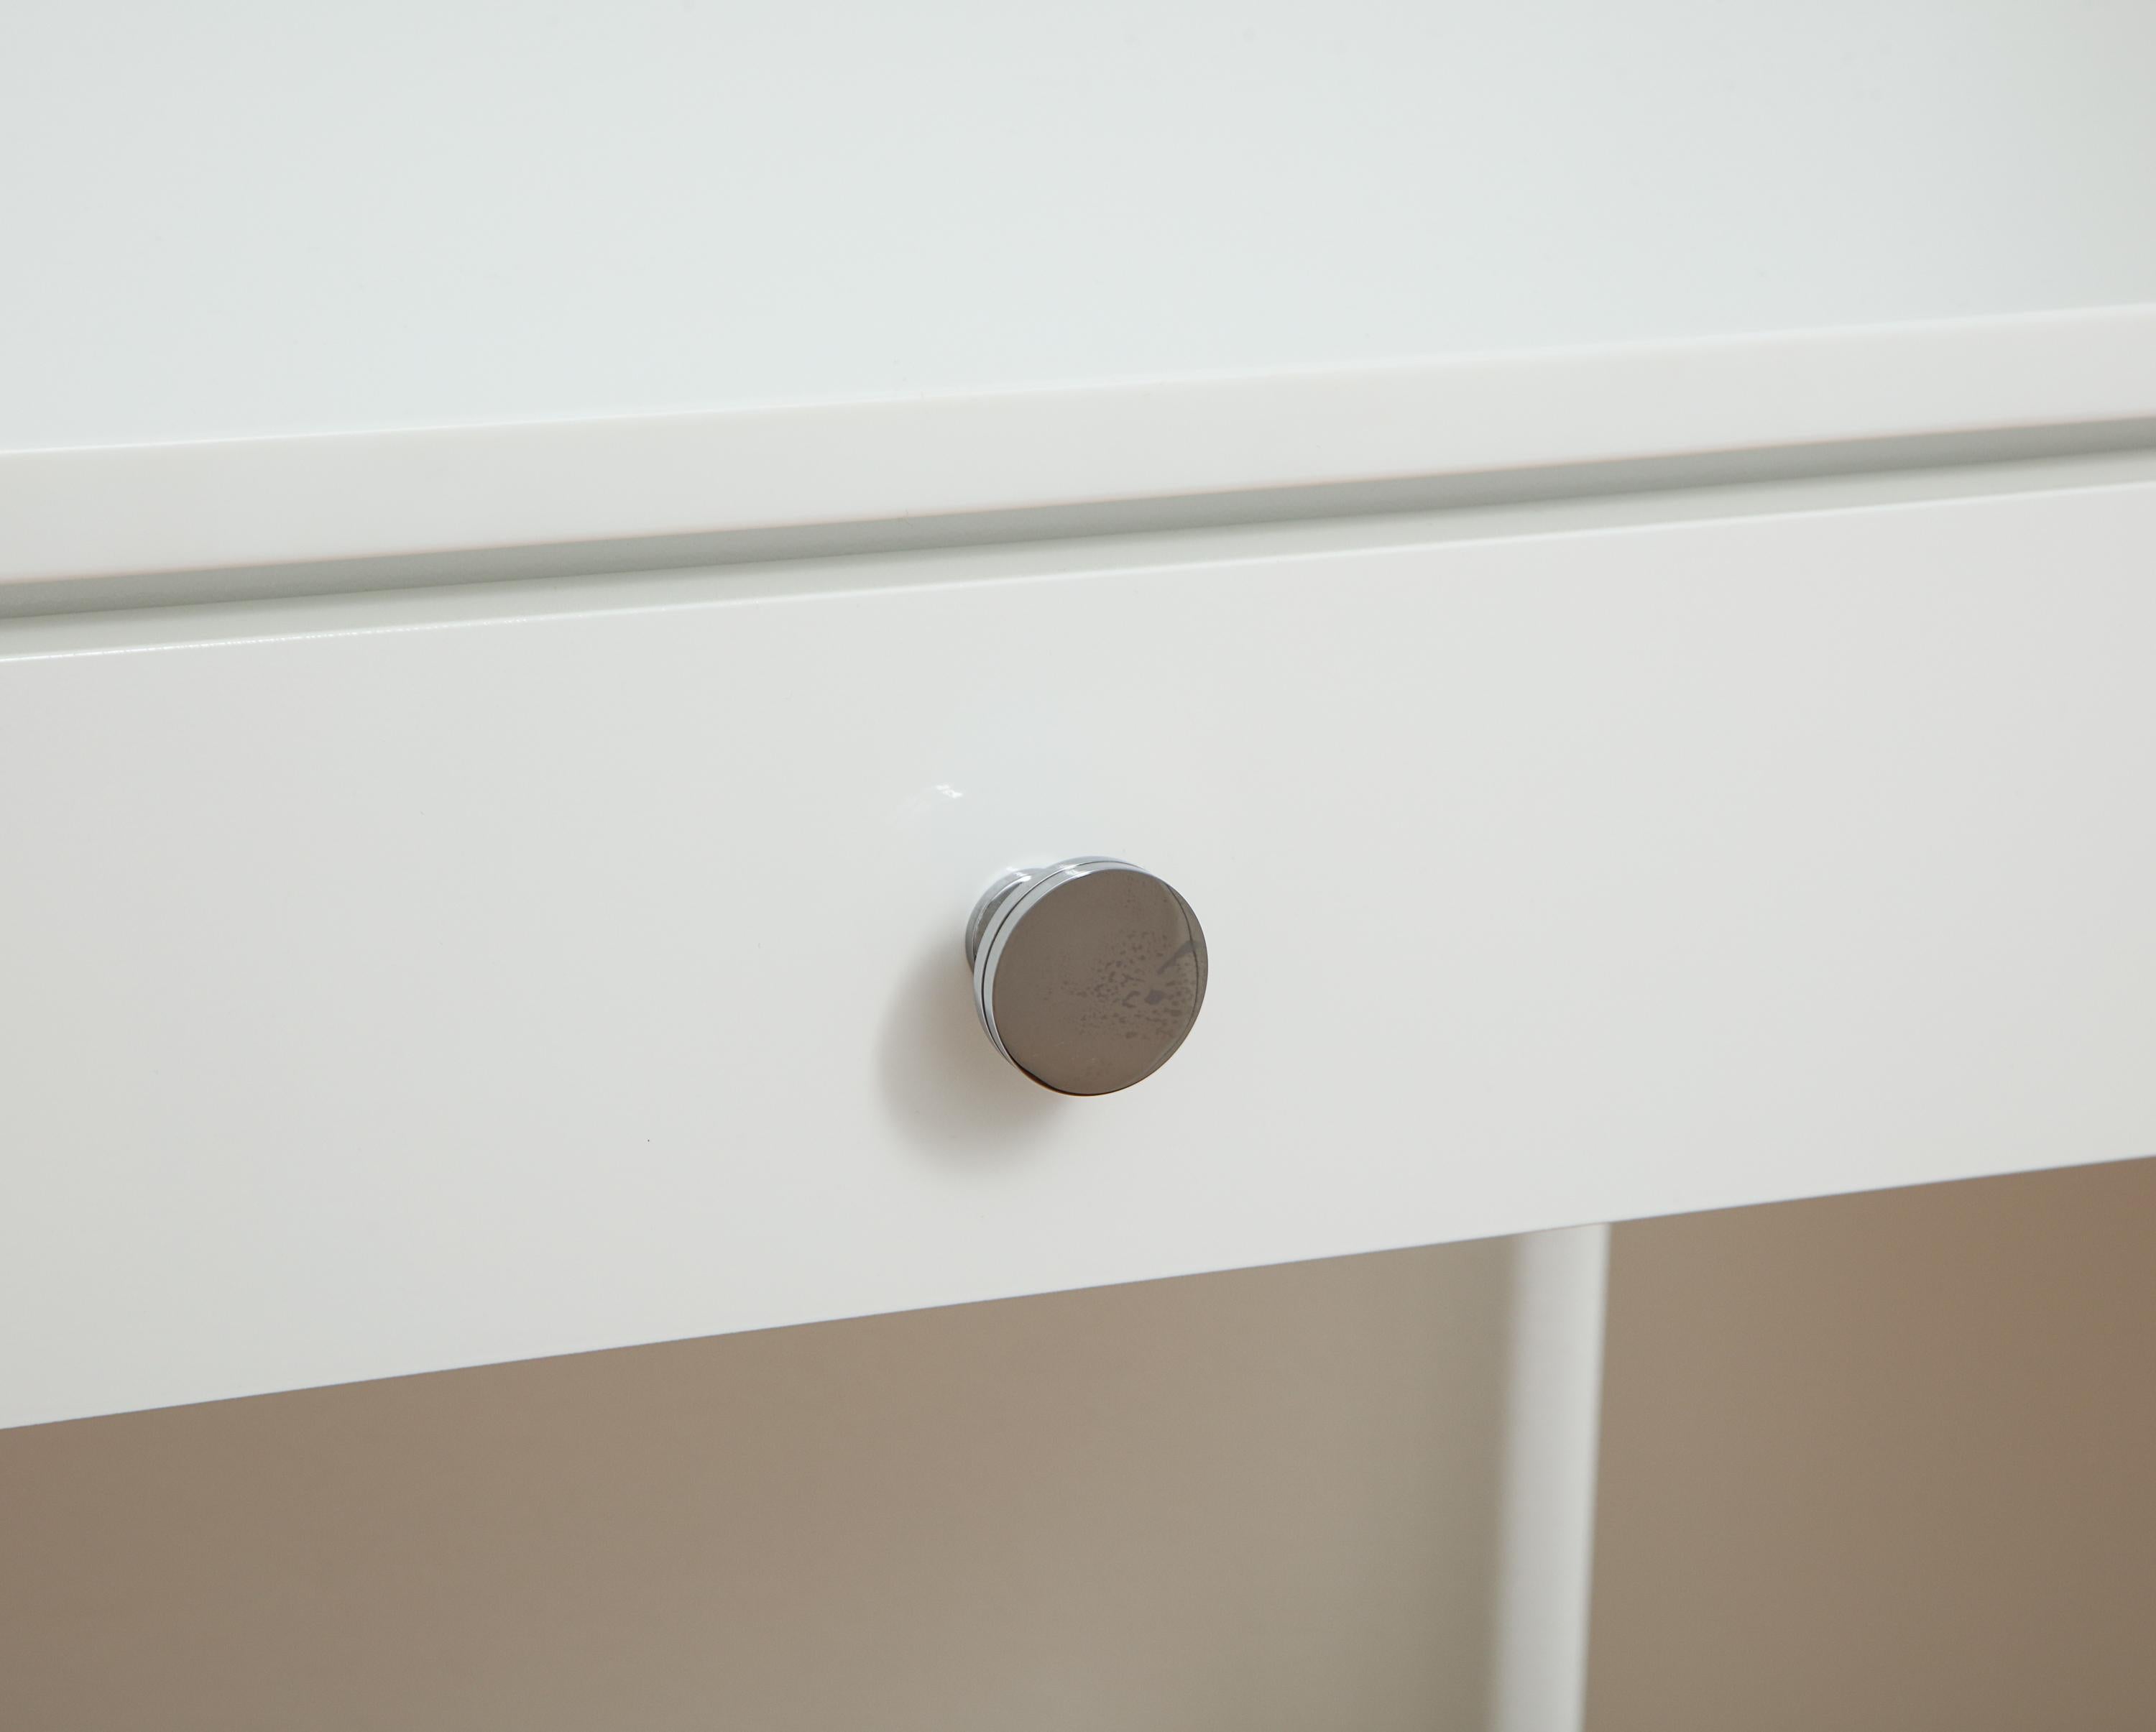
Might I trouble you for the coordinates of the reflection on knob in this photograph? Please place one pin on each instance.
(1088, 973)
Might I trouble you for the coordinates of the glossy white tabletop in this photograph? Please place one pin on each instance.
(230, 219)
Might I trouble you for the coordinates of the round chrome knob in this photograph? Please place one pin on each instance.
(1088, 973)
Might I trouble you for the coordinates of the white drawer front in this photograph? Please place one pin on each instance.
(373, 1002)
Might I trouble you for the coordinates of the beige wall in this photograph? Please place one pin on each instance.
(1883, 1462)
(1243, 1502)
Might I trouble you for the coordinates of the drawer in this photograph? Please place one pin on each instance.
(416, 981)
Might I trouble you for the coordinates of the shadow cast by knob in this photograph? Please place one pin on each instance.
(949, 1091)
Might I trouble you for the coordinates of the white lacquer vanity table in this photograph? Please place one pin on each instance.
(1610, 555)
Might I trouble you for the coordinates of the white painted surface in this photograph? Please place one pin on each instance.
(381, 1001)
(237, 218)
(1546, 1545)
(98, 511)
